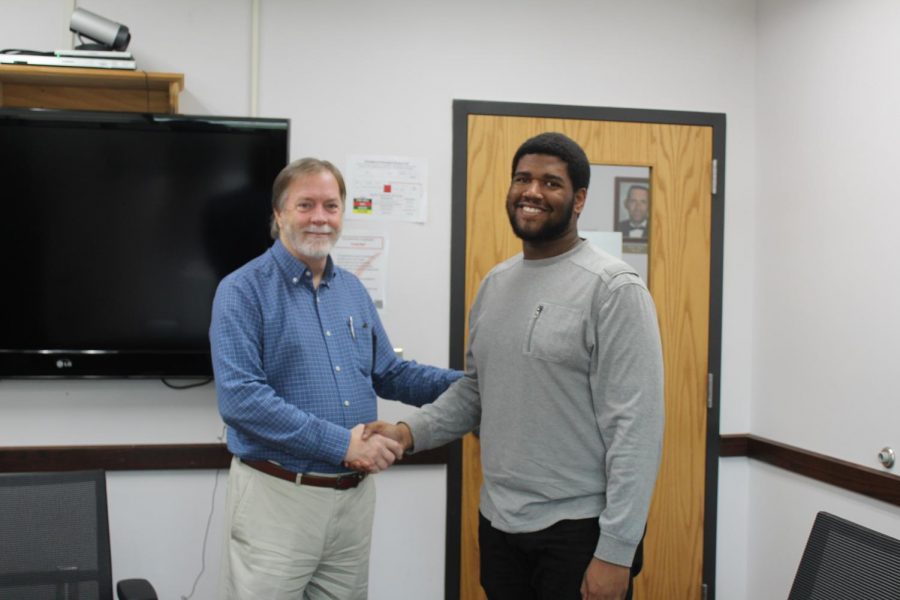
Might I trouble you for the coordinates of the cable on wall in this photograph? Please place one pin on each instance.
(254, 58)
(186, 386)
(68, 7)
(212, 510)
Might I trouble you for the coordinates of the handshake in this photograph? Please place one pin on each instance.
(375, 446)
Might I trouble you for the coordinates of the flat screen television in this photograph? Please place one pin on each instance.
(116, 228)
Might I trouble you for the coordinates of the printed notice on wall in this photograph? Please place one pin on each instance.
(387, 188)
(366, 257)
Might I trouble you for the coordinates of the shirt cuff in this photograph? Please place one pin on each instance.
(418, 427)
(335, 442)
(615, 551)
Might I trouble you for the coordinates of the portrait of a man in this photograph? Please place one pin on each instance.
(633, 208)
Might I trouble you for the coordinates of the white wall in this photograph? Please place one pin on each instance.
(807, 91)
(826, 287)
(733, 530)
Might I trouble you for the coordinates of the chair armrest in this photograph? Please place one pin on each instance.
(135, 589)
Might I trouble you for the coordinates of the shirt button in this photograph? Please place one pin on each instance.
(346, 403)
(338, 369)
(328, 333)
(295, 280)
(308, 274)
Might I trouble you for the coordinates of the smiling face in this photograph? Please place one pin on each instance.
(310, 217)
(542, 207)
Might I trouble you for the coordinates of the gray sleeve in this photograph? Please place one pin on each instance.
(627, 388)
(455, 413)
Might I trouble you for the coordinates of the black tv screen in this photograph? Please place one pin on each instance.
(115, 229)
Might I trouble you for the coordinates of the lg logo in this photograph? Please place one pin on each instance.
(63, 363)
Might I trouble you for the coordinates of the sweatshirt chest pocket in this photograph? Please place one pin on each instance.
(554, 332)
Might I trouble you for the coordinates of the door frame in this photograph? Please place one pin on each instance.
(462, 109)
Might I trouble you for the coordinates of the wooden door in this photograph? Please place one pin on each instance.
(680, 162)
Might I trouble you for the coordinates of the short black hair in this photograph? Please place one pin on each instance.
(563, 148)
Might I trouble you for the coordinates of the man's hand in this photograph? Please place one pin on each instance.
(399, 433)
(604, 581)
(373, 454)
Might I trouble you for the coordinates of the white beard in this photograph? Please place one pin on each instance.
(313, 247)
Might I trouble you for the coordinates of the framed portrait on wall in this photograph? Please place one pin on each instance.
(632, 208)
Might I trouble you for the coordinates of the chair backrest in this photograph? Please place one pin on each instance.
(54, 536)
(845, 561)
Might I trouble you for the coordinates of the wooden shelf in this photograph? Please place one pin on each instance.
(27, 86)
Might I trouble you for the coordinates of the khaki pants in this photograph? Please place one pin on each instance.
(286, 541)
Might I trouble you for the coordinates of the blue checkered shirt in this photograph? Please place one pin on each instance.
(296, 368)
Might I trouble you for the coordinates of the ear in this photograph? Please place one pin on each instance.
(276, 214)
(580, 197)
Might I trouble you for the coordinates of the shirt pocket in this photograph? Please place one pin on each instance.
(554, 332)
(363, 346)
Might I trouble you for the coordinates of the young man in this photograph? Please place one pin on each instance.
(564, 378)
(299, 354)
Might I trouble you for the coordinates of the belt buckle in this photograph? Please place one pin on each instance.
(346, 480)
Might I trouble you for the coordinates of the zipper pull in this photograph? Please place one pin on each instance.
(537, 314)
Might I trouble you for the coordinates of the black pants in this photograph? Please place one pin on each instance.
(543, 565)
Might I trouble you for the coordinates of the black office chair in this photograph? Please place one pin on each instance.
(54, 539)
(845, 561)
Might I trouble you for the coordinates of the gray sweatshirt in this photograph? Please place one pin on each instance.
(564, 376)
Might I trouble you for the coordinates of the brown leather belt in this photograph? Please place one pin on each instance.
(345, 481)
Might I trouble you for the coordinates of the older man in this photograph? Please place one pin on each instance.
(299, 354)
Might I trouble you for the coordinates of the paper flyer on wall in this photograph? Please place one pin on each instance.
(366, 257)
(387, 188)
